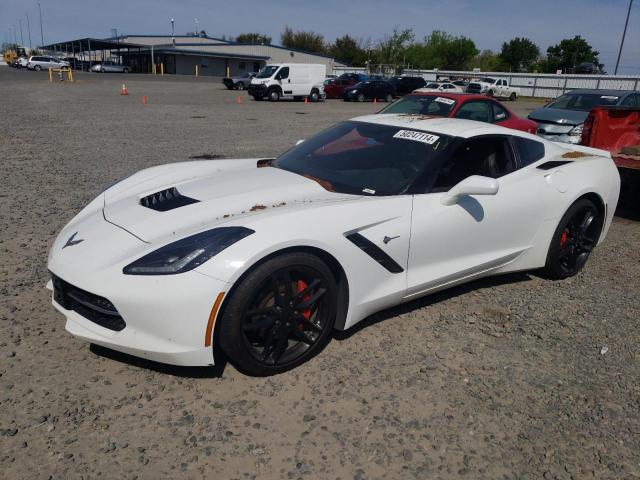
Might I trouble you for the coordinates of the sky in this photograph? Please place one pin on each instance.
(488, 22)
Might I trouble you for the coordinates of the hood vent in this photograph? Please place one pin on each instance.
(166, 200)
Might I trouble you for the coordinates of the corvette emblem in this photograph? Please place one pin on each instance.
(387, 238)
(71, 242)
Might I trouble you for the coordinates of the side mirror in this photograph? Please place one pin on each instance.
(473, 185)
(299, 141)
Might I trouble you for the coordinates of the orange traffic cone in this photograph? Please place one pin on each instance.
(306, 100)
(375, 100)
(238, 100)
(144, 99)
(124, 90)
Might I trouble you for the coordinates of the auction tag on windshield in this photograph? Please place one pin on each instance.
(417, 136)
(609, 97)
(448, 101)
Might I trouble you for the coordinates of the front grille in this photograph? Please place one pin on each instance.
(97, 309)
(474, 88)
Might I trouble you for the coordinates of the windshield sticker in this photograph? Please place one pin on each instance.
(417, 136)
(447, 101)
(609, 97)
(369, 191)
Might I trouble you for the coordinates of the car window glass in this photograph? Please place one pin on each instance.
(422, 105)
(488, 157)
(529, 151)
(478, 111)
(631, 101)
(283, 73)
(499, 113)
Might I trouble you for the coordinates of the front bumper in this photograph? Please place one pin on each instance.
(257, 90)
(163, 318)
(563, 138)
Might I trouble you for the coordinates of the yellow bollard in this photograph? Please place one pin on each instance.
(162, 69)
(51, 75)
(197, 73)
(228, 72)
(71, 75)
(154, 68)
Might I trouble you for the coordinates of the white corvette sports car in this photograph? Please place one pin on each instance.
(262, 258)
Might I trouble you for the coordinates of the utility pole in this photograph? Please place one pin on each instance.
(41, 31)
(21, 37)
(173, 37)
(624, 34)
(29, 31)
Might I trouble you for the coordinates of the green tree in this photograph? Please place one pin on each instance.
(486, 61)
(347, 49)
(392, 49)
(443, 51)
(519, 54)
(569, 53)
(301, 40)
(254, 38)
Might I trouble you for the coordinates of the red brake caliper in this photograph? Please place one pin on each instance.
(300, 286)
(563, 238)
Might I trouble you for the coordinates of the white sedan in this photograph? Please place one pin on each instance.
(446, 87)
(263, 258)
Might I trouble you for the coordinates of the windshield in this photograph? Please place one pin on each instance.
(487, 80)
(421, 105)
(267, 71)
(433, 85)
(583, 102)
(364, 158)
(360, 85)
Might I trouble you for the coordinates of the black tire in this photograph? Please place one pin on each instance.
(490, 93)
(37, 68)
(314, 96)
(388, 98)
(274, 95)
(263, 336)
(513, 96)
(125, 70)
(239, 86)
(574, 239)
(360, 97)
(297, 99)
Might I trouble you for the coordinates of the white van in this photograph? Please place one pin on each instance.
(292, 80)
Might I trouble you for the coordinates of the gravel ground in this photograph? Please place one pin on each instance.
(502, 378)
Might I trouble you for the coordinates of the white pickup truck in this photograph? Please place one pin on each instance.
(494, 87)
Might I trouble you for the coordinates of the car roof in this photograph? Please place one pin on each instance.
(453, 96)
(616, 93)
(454, 127)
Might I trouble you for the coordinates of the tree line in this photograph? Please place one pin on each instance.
(440, 50)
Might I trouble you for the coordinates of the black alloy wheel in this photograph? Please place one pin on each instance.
(280, 315)
(574, 239)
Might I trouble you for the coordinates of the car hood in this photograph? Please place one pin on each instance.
(556, 115)
(199, 195)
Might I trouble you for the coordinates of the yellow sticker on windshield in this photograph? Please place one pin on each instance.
(417, 136)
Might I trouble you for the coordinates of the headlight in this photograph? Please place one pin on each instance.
(576, 131)
(353, 91)
(188, 253)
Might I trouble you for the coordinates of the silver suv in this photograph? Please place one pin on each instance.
(40, 62)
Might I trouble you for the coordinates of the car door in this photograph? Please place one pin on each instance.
(479, 233)
(478, 110)
(285, 81)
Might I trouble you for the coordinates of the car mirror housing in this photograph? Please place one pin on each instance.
(473, 185)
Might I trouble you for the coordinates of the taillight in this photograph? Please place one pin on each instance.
(587, 128)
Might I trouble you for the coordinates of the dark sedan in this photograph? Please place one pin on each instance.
(405, 84)
(369, 90)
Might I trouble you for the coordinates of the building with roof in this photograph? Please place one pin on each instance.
(181, 54)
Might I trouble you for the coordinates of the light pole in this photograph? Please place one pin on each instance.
(41, 34)
(196, 30)
(173, 37)
(624, 34)
(29, 31)
(21, 37)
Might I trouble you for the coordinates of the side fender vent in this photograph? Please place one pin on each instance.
(553, 164)
(375, 252)
(166, 200)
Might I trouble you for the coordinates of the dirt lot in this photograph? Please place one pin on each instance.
(501, 378)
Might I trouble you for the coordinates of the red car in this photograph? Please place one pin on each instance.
(334, 87)
(457, 105)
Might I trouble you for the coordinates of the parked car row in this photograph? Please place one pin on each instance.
(44, 62)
